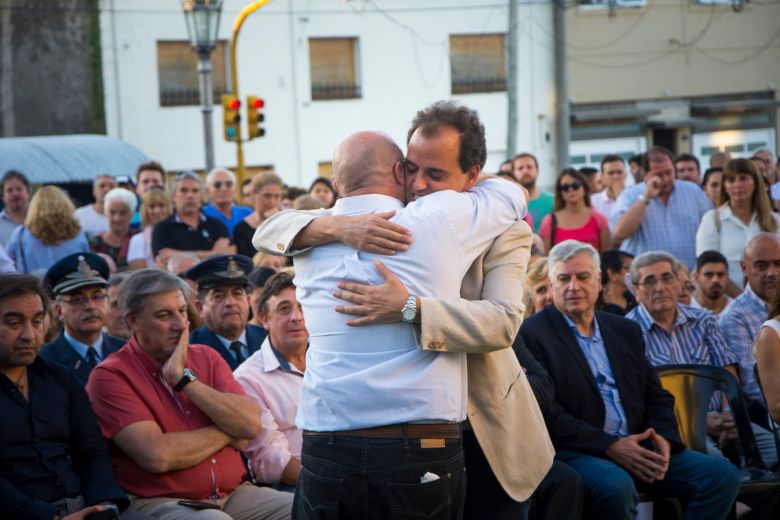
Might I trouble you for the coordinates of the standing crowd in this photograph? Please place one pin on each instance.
(411, 339)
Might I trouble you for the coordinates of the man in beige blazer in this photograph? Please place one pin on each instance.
(502, 409)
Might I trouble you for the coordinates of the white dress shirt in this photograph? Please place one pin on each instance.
(730, 240)
(363, 377)
(602, 203)
(277, 390)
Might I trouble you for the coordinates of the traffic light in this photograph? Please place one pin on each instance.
(255, 117)
(231, 106)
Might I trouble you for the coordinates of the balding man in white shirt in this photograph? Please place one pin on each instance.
(371, 390)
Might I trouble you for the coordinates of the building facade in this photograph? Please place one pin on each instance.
(696, 76)
(324, 68)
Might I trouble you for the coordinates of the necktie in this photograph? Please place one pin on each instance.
(235, 347)
(92, 357)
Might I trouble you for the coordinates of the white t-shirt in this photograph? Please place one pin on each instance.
(140, 247)
(696, 305)
(92, 222)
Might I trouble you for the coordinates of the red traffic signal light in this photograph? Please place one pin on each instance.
(231, 118)
(254, 116)
(235, 104)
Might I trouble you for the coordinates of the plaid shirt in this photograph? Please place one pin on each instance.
(671, 228)
(695, 339)
(740, 324)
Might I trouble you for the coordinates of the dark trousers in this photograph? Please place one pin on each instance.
(485, 498)
(366, 478)
(708, 484)
(559, 496)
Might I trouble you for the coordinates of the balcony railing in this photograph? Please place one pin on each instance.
(174, 97)
(474, 85)
(322, 91)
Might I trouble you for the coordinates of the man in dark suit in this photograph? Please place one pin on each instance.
(223, 303)
(610, 418)
(78, 284)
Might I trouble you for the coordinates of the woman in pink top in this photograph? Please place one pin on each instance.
(572, 217)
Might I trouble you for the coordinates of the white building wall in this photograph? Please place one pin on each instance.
(403, 56)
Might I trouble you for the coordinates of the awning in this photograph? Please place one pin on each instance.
(68, 158)
(584, 115)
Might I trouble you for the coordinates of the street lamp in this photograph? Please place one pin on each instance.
(202, 18)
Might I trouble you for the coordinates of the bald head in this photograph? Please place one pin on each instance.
(761, 265)
(364, 163)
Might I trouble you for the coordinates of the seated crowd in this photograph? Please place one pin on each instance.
(153, 359)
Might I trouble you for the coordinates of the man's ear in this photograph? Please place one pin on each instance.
(198, 305)
(56, 308)
(335, 182)
(472, 176)
(399, 173)
(262, 317)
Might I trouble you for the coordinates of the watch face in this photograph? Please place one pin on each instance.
(408, 314)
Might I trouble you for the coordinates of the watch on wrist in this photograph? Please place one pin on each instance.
(644, 199)
(409, 312)
(188, 377)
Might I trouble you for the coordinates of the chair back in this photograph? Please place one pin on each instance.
(692, 386)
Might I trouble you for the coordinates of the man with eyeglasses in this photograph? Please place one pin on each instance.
(610, 419)
(679, 334)
(78, 284)
(223, 303)
(221, 188)
(189, 229)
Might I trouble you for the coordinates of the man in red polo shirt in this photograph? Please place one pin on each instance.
(176, 415)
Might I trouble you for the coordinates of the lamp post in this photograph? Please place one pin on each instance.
(202, 18)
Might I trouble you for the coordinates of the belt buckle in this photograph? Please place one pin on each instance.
(432, 443)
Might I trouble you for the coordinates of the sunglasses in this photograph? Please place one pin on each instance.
(573, 186)
(219, 184)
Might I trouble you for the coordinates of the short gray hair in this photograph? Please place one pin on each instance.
(217, 170)
(122, 195)
(186, 174)
(178, 257)
(651, 258)
(568, 249)
(144, 283)
(117, 278)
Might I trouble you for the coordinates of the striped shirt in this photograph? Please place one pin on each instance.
(695, 339)
(665, 227)
(615, 422)
(740, 324)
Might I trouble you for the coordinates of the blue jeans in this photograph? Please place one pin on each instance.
(707, 485)
(359, 477)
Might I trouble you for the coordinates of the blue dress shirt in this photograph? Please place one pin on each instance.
(665, 227)
(615, 422)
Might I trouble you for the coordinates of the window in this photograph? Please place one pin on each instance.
(612, 3)
(325, 169)
(177, 66)
(477, 63)
(334, 73)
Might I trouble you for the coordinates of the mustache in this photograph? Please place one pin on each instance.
(90, 315)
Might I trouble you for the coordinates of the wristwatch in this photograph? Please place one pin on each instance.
(188, 377)
(409, 312)
(644, 199)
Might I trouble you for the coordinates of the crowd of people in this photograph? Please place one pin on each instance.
(411, 339)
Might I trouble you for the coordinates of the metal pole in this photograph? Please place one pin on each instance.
(206, 96)
(246, 11)
(562, 112)
(511, 81)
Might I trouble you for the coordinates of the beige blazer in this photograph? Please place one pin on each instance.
(502, 408)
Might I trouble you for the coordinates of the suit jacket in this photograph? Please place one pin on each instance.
(254, 338)
(501, 406)
(576, 415)
(62, 352)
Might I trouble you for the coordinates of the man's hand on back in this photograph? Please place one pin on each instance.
(373, 233)
(375, 303)
(644, 464)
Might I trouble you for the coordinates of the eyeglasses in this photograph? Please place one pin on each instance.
(219, 184)
(80, 300)
(573, 186)
(651, 281)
